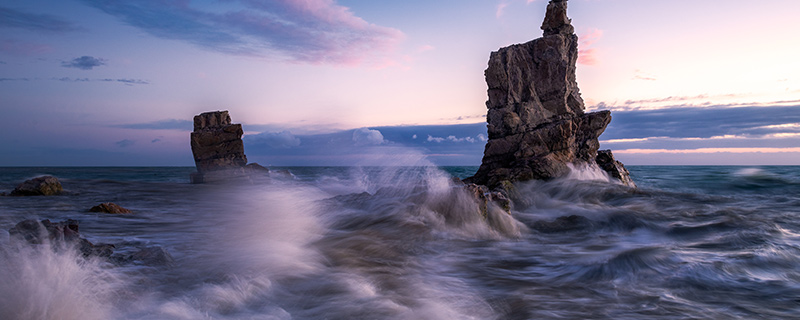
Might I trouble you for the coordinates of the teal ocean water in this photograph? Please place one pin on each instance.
(692, 242)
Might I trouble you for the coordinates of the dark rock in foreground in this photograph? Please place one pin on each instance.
(218, 149)
(485, 197)
(64, 233)
(605, 159)
(536, 123)
(109, 207)
(39, 186)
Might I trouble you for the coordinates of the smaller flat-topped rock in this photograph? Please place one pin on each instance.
(216, 143)
(218, 149)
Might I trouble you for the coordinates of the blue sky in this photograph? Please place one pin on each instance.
(324, 82)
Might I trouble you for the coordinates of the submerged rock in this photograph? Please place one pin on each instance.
(109, 207)
(484, 198)
(536, 120)
(218, 149)
(63, 233)
(39, 186)
(149, 256)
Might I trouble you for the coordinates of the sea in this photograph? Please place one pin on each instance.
(407, 242)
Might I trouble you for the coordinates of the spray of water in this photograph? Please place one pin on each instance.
(40, 282)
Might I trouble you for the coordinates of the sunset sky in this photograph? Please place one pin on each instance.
(324, 82)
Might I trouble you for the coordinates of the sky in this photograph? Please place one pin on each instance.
(349, 82)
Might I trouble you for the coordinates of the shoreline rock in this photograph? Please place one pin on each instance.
(536, 121)
(605, 159)
(39, 186)
(65, 235)
(59, 234)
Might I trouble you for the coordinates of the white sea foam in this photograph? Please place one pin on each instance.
(751, 172)
(38, 282)
(417, 247)
(587, 172)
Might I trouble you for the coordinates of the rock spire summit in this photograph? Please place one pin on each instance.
(556, 20)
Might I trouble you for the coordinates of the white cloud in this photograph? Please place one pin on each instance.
(435, 139)
(282, 140)
(366, 137)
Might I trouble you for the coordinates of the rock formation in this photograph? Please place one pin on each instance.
(536, 121)
(109, 207)
(218, 149)
(605, 159)
(64, 235)
(39, 186)
(58, 234)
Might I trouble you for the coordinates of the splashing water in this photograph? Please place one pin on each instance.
(43, 283)
(406, 242)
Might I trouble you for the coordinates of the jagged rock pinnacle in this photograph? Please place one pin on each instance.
(556, 20)
(536, 121)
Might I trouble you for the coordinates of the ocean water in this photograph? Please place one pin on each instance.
(692, 242)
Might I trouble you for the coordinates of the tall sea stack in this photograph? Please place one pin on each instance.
(536, 121)
(218, 149)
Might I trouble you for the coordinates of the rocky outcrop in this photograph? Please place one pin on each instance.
(39, 186)
(64, 235)
(58, 234)
(216, 145)
(109, 207)
(536, 121)
(605, 159)
(218, 149)
(484, 197)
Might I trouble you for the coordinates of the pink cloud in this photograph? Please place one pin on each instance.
(641, 75)
(588, 55)
(425, 48)
(500, 8)
(304, 31)
(327, 11)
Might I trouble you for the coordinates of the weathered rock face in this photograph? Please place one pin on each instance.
(216, 143)
(218, 149)
(605, 159)
(39, 186)
(536, 122)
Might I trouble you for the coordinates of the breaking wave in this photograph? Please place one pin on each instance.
(408, 242)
